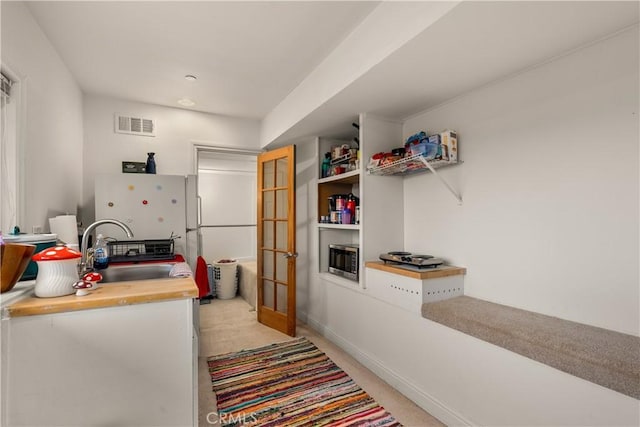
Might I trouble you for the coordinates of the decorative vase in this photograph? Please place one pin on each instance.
(151, 163)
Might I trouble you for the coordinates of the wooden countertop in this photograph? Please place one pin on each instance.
(107, 295)
(432, 273)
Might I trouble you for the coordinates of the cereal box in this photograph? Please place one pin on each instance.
(449, 141)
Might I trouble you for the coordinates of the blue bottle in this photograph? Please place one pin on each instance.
(151, 163)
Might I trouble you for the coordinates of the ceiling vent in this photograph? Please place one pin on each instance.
(134, 125)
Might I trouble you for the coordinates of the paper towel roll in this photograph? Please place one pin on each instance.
(66, 227)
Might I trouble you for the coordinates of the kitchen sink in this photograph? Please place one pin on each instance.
(124, 273)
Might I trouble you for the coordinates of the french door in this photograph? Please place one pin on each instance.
(276, 305)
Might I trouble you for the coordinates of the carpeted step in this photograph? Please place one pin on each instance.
(608, 358)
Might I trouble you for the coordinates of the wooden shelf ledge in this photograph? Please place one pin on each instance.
(608, 358)
(423, 274)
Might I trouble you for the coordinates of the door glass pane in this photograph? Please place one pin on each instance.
(281, 267)
(281, 298)
(267, 234)
(267, 264)
(281, 235)
(267, 293)
(268, 174)
(282, 204)
(281, 177)
(268, 204)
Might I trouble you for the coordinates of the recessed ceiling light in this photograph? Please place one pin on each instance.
(190, 78)
(186, 102)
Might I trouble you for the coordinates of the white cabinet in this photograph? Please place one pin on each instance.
(124, 365)
(410, 289)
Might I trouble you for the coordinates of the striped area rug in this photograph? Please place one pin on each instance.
(290, 384)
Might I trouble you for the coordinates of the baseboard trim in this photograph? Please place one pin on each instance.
(302, 316)
(403, 385)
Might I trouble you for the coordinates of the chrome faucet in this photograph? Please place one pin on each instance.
(85, 240)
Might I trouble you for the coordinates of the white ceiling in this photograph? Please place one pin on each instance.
(248, 56)
(476, 44)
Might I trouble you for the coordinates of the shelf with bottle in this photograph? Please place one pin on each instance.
(339, 210)
(340, 157)
(344, 158)
(349, 177)
(322, 225)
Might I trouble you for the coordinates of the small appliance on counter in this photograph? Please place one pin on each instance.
(403, 259)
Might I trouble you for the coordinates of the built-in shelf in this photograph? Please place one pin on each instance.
(339, 226)
(342, 159)
(351, 177)
(340, 281)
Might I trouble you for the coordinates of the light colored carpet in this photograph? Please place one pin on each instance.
(230, 325)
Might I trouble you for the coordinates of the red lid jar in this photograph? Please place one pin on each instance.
(57, 271)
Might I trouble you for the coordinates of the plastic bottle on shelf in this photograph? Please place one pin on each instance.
(100, 254)
(352, 201)
(326, 165)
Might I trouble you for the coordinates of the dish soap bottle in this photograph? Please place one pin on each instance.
(100, 254)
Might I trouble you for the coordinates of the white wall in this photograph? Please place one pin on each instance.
(307, 162)
(460, 379)
(176, 131)
(52, 127)
(549, 221)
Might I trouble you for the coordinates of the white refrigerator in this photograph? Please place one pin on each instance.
(153, 206)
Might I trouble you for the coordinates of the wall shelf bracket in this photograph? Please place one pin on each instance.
(444, 181)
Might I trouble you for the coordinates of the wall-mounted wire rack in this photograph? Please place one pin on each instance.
(414, 164)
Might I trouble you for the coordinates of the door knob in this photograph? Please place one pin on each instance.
(291, 254)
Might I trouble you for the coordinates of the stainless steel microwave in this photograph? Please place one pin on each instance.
(344, 260)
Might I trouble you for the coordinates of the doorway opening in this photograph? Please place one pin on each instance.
(227, 187)
(227, 191)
